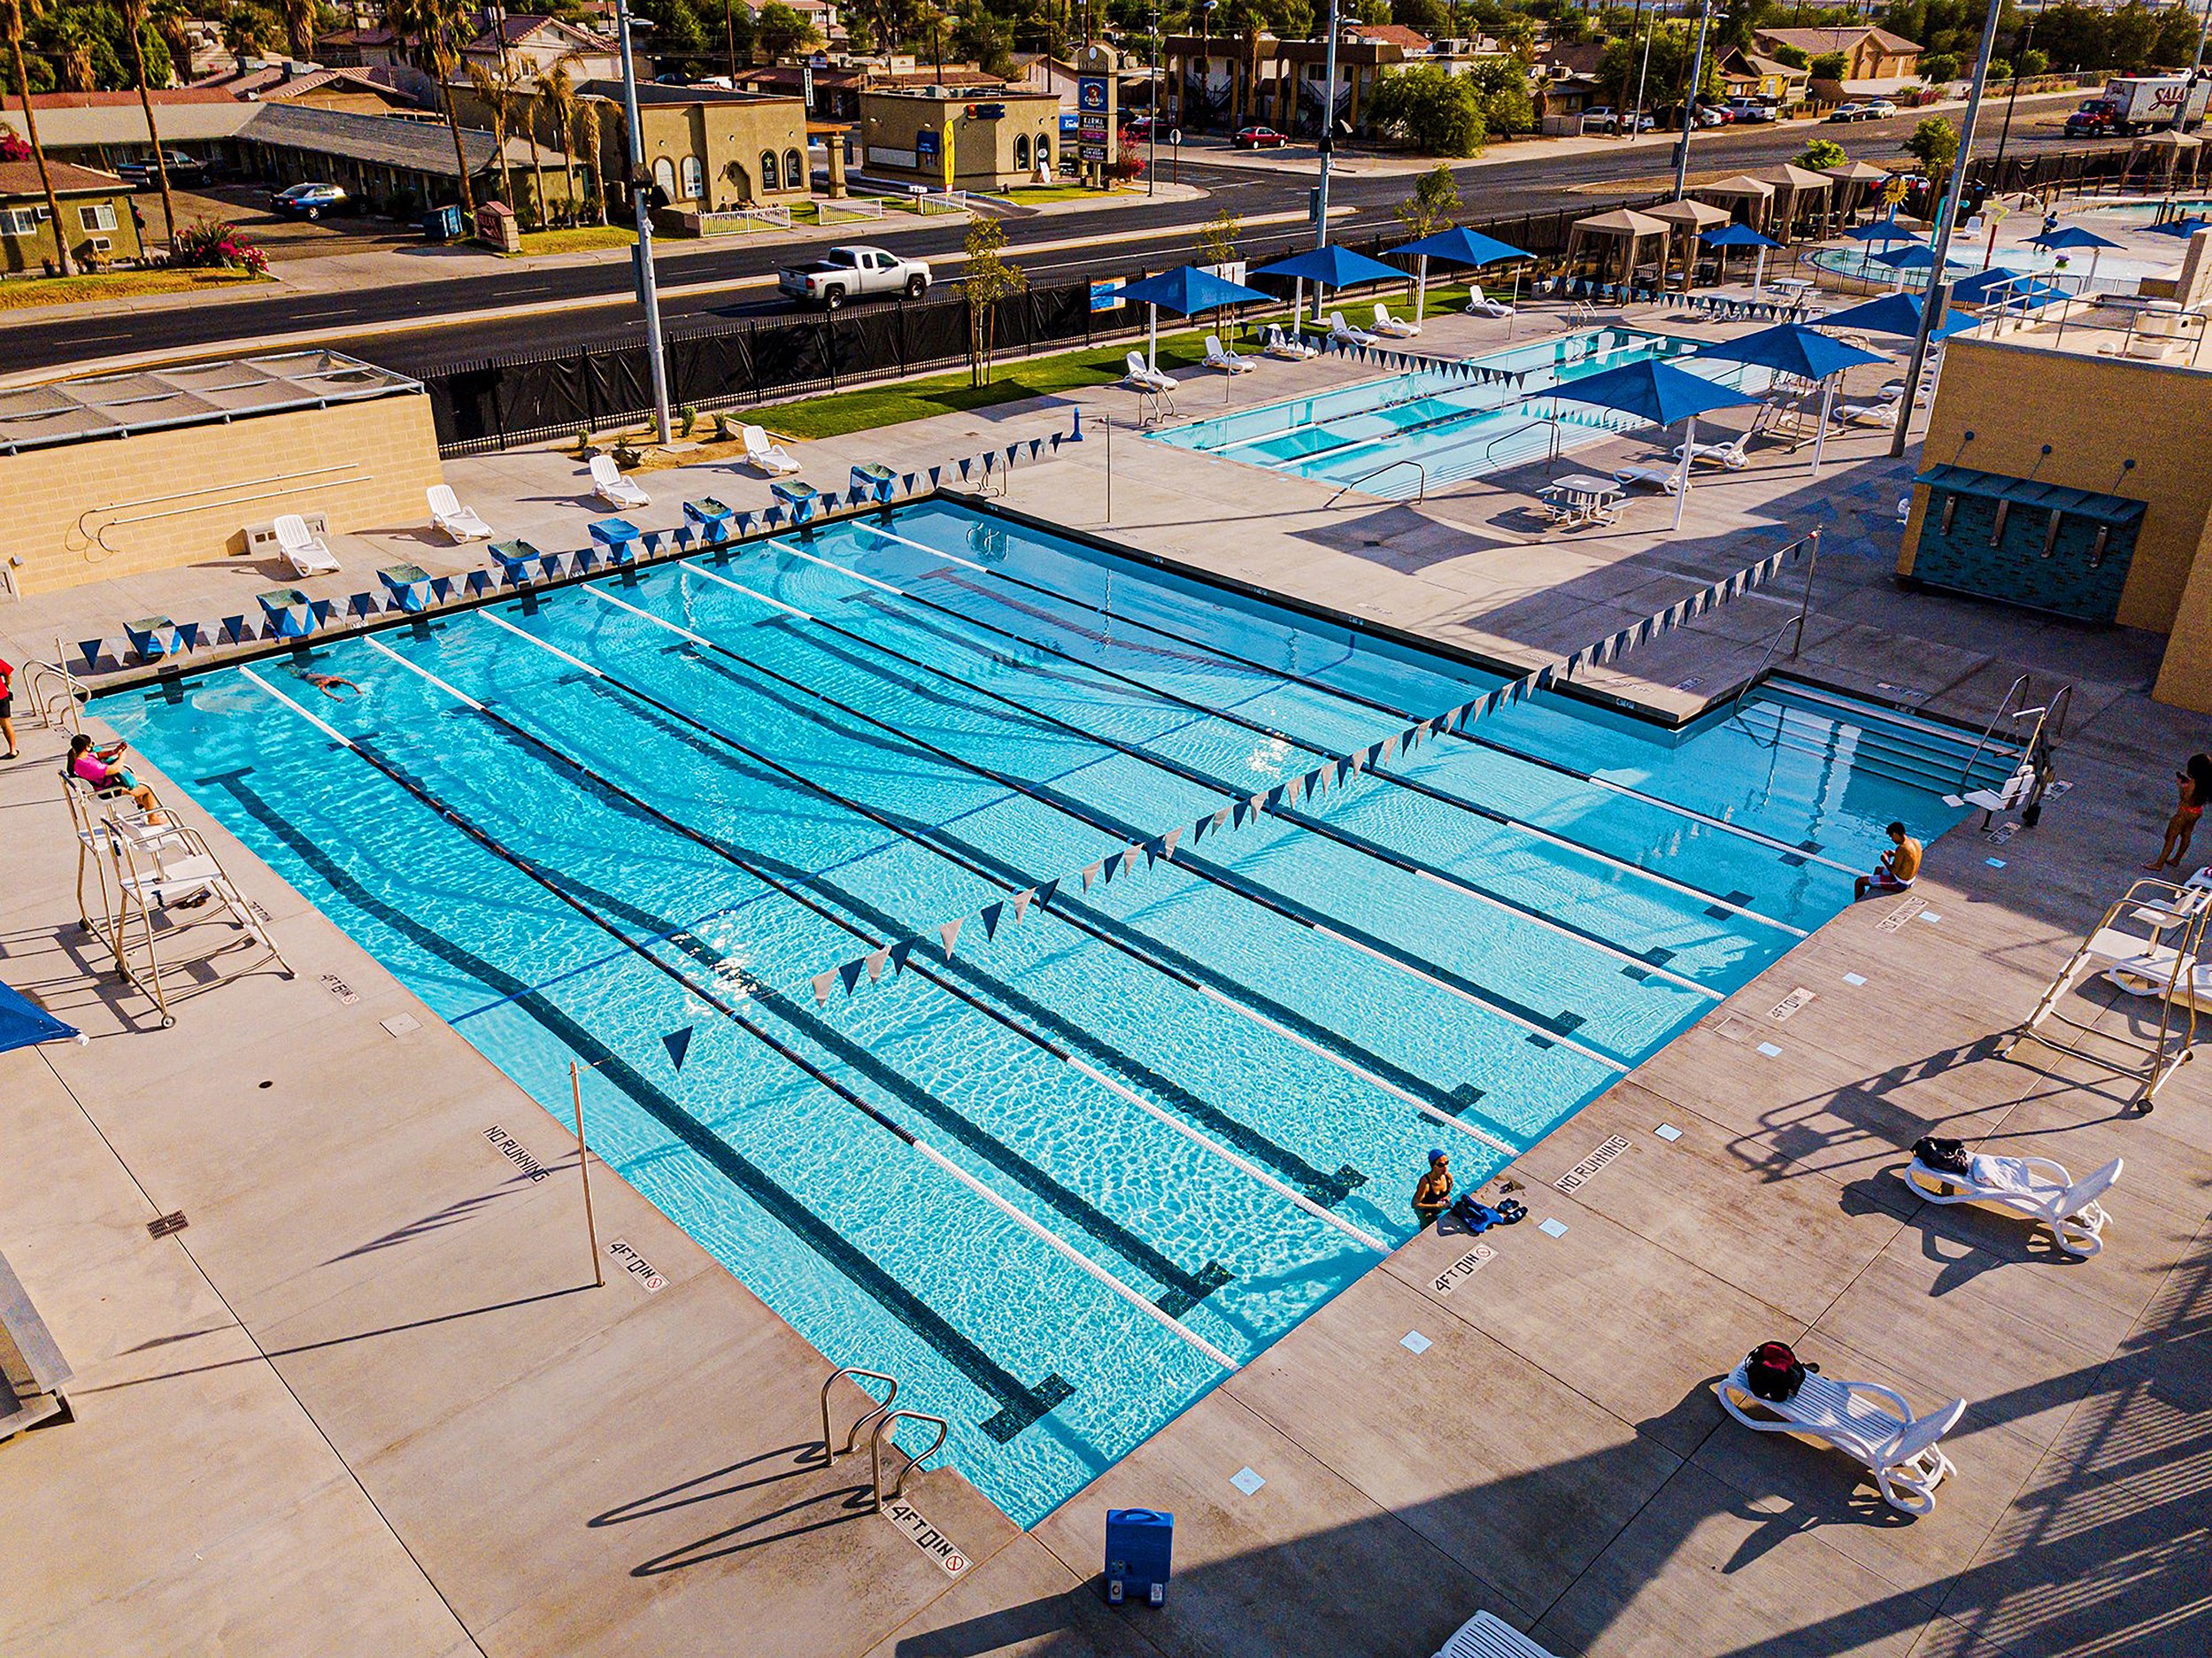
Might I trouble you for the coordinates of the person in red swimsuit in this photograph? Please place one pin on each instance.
(2182, 826)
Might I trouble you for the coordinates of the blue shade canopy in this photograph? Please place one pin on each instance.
(1736, 237)
(1790, 349)
(1880, 230)
(1918, 257)
(2178, 226)
(1333, 266)
(1187, 288)
(1891, 314)
(1654, 391)
(1999, 286)
(1464, 247)
(2071, 237)
(23, 1022)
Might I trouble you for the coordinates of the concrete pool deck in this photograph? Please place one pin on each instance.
(367, 1400)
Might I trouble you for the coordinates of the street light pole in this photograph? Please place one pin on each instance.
(1328, 133)
(1151, 111)
(2196, 66)
(641, 202)
(1946, 219)
(1689, 104)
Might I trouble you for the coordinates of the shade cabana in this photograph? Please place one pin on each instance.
(1689, 221)
(1623, 228)
(1457, 246)
(1735, 236)
(1660, 395)
(1794, 187)
(1805, 354)
(2161, 151)
(1749, 201)
(1184, 290)
(1331, 266)
(1856, 182)
(2068, 238)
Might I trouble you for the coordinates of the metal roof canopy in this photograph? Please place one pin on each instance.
(148, 399)
(2103, 509)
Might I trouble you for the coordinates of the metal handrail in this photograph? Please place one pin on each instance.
(1541, 420)
(829, 1456)
(36, 675)
(2004, 704)
(1804, 610)
(876, 1452)
(1403, 460)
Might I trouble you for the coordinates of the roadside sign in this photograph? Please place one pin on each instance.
(1091, 94)
(1175, 134)
(1107, 295)
(1090, 152)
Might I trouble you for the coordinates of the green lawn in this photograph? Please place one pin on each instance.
(577, 240)
(1037, 194)
(57, 290)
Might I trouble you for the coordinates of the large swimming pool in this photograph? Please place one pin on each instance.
(664, 801)
(1410, 433)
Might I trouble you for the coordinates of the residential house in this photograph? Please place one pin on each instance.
(362, 48)
(1870, 53)
(1747, 74)
(530, 46)
(382, 90)
(96, 217)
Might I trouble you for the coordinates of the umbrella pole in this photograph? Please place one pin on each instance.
(1827, 405)
(1151, 337)
(1689, 448)
(1420, 292)
(1759, 274)
(2094, 255)
(1298, 307)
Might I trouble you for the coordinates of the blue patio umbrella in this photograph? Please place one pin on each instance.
(1998, 286)
(2067, 236)
(1184, 290)
(1742, 236)
(1329, 266)
(1891, 314)
(2178, 226)
(1456, 246)
(1793, 349)
(1881, 231)
(24, 1023)
(1659, 394)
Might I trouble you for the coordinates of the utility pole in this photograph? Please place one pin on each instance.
(641, 201)
(1689, 104)
(1327, 134)
(1946, 219)
(2196, 67)
(1997, 167)
(1151, 111)
(1636, 115)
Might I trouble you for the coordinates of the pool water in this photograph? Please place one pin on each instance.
(1059, 1181)
(1408, 434)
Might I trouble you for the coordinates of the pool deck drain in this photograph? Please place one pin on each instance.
(388, 1416)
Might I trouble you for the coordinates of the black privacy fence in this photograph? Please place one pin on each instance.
(491, 403)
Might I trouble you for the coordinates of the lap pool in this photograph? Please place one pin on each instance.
(663, 801)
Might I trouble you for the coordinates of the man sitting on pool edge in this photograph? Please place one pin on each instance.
(1899, 869)
(1432, 1193)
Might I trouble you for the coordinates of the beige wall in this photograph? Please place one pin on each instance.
(363, 465)
(985, 157)
(2097, 413)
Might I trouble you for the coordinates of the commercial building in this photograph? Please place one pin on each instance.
(995, 142)
(390, 166)
(96, 216)
(2064, 470)
(115, 474)
(708, 150)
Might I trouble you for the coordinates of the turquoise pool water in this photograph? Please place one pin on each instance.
(665, 801)
(1412, 433)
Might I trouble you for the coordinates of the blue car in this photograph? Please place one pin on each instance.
(307, 201)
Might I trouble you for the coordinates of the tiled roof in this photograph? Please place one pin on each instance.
(20, 178)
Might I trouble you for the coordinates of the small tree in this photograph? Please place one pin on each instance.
(2034, 62)
(989, 279)
(1935, 144)
(1830, 66)
(1435, 197)
(1797, 58)
(1822, 153)
(1217, 237)
(1442, 113)
(1938, 67)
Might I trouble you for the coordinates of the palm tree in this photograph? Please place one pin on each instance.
(135, 21)
(559, 89)
(496, 90)
(242, 35)
(12, 15)
(583, 133)
(169, 18)
(73, 35)
(299, 26)
(437, 24)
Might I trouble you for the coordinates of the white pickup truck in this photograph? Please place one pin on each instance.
(847, 273)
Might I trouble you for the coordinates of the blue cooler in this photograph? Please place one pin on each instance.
(1138, 1544)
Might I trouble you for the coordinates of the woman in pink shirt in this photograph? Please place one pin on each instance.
(98, 766)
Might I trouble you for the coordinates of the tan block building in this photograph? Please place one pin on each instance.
(2066, 472)
(999, 139)
(116, 475)
(96, 216)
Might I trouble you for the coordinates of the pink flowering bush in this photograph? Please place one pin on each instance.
(216, 247)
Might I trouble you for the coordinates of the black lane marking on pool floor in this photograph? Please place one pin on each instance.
(1020, 1405)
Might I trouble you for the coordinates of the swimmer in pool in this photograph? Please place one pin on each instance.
(1432, 1193)
(331, 684)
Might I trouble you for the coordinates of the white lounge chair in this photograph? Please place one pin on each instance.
(1290, 347)
(1483, 1636)
(1865, 414)
(457, 522)
(1480, 304)
(1897, 1447)
(2035, 1186)
(609, 484)
(1342, 331)
(1142, 377)
(1219, 356)
(302, 548)
(768, 460)
(1397, 328)
(1667, 479)
(1733, 454)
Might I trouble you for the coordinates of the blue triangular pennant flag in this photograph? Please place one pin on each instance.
(900, 950)
(1044, 894)
(990, 913)
(678, 1042)
(851, 971)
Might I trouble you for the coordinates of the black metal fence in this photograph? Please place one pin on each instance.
(491, 403)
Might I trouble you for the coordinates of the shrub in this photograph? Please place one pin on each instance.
(215, 247)
(1938, 67)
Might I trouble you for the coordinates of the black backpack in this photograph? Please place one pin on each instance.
(1773, 1372)
(1945, 1157)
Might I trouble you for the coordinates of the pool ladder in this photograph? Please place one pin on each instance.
(880, 1421)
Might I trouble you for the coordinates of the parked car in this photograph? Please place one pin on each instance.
(307, 201)
(1852, 112)
(1721, 113)
(1260, 138)
(186, 172)
(1880, 109)
(1752, 109)
(1604, 119)
(851, 271)
(1138, 126)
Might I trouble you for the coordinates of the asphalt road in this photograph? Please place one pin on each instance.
(595, 298)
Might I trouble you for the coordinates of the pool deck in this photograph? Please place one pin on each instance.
(368, 1400)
